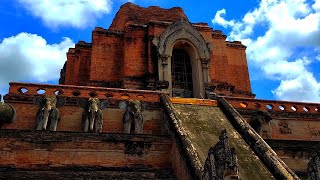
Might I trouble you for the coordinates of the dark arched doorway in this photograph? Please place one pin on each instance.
(181, 70)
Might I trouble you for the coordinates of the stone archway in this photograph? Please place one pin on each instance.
(182, 33)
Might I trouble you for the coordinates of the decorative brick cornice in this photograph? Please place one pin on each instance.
(84, 44)
(236, 44)
(281, 107)
(16, 93)
(284, 115)
(217, 34)
(99, 30)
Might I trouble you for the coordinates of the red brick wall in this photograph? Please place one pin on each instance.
(179, 164)
(70, 66)
(84, 66)
(135, 58)
(76, 70)
(229, 64)
(84, 152)
(237, 69)
(107, 57)
(137, 15)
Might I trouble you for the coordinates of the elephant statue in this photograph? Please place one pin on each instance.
(7, 113)
(132, 118)
(92, 118)
(259, 119)
(48, 112)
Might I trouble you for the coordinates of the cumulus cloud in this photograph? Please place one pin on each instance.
(280, 34)
(303, 85)
(28, 57)
(75, 13)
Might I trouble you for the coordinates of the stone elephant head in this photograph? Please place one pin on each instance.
(132, 118)
(92, 118)
(48, 112)
(259, 118)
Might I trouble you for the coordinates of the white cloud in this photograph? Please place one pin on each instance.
(75, 13)
(316, 5)
(221, 21)
(287, 25)
(304, 87)
(29, 57)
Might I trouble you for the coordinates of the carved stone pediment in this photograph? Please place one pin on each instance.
(181, 30)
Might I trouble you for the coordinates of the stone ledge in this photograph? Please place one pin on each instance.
(194, 101)
(60, 136)
(293, 145)
(83, 172)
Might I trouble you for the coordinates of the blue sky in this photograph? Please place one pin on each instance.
(283, 38)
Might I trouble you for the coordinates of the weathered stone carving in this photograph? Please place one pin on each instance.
(92, 118)
(48, 112)
(132, 118)
(225, 89)
(314, 167)
(157, 85)
(137, 148)
(284, 128)
(7, 113)
(258, 119)
(217, 85)
(221, 162)
(313, 131)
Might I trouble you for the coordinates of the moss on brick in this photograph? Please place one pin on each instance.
(203, 125)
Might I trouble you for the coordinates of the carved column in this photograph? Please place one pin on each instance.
(164, 65)
(162, 62)
(205, 70)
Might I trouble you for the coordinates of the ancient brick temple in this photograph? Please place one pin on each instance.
(154, 48)
(155, 96)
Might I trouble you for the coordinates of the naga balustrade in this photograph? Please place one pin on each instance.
(29, 89)
(270, 105)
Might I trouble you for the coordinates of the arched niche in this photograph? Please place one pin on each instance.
(182, 32)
